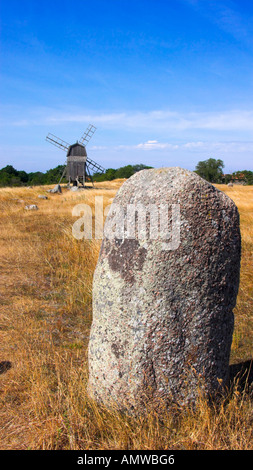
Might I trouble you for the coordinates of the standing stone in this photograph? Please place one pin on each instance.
(55, 189)
(163, 307)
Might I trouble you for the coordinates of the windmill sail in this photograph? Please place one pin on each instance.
(93, 166)
(87, 135)
(57, 142)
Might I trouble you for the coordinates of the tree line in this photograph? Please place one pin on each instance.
(211, 170)
(123, 172)
(9, 176)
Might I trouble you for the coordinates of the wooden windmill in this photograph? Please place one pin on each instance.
(78, 166)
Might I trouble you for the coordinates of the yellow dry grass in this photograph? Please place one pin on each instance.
(46, 286)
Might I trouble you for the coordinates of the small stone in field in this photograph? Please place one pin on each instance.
(31, 207)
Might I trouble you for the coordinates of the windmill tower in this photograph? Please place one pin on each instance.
(78, 166)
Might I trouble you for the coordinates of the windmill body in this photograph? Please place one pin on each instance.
(78, 166)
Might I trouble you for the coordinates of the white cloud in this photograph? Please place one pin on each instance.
(222, 147)
(155, 120)
(155, 145)
(193, 146)
(156, 137)
(235, 154)
(162, 120)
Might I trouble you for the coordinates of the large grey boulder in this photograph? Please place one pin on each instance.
(163, 307)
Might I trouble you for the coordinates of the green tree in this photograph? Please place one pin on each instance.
(9, 176)
(110, 174)
(245, 175)
(211, 170)
(54, 174)
(23, 176)
(5, 179)
(248, 176)
(36, 178)
(124, 172)
(140, 167)
(9, 170)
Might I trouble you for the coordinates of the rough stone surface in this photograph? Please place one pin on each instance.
(162, 319)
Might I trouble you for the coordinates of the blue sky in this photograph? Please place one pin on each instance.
(166, 82)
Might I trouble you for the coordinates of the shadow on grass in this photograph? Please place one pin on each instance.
(4, 366)
(242, 373)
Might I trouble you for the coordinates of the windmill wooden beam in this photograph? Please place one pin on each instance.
(87, 134)
(57, 142)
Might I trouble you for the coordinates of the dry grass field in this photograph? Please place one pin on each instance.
(46, 311)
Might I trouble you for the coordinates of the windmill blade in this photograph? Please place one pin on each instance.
(87, 135)
(93, 166)
(57, 142)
